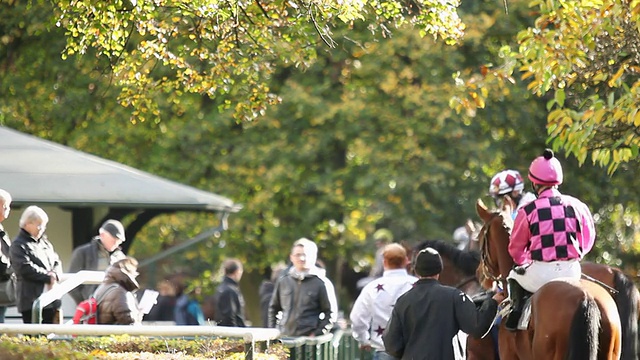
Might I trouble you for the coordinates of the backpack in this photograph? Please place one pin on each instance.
(87, 310)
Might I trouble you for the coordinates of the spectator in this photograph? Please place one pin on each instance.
(102, 251)
(382, 237)
(209, 308)
(118, 304)
(303, 295)
(372, 308)
(36, 264)
(5, 244)
(166, 303)
(426, 318)
(5, 256)
(266, 291)
(187, 310)
(228, 299)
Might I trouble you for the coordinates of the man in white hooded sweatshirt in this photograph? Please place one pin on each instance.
(304, 297)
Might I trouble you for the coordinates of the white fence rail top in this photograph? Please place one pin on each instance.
(248, 334)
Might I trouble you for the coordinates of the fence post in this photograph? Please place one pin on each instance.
(249, 347)
(36, 312)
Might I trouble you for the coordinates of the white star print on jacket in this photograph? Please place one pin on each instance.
(373, 307)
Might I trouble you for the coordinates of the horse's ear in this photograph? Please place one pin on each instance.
(482, 210)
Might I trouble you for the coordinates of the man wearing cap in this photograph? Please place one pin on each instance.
(102, 251)
(425, 319)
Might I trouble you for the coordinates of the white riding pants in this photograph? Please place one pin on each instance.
(540, 273)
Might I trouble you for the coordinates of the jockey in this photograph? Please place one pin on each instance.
(550, 235)
(507, 185)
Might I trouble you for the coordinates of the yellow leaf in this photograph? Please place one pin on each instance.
(616, 76)
(636, 119)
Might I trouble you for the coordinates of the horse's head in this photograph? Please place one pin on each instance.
(459, 266)
(493, 239)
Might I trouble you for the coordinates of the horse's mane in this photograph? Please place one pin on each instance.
(467, 261)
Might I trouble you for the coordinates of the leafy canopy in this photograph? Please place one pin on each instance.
(583, 56)
(225, 49)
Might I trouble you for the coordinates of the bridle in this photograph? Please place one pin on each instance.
(465, 281)
(488, 264)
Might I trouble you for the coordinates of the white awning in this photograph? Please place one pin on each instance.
(37, 171)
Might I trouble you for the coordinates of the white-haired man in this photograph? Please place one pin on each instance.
(304, 295)
(36, 264)
(98, 254)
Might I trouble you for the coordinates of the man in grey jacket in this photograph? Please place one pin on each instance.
(304, 295)
(102, 251)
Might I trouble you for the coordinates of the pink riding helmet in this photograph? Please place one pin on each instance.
(504, 182)
(546, 169)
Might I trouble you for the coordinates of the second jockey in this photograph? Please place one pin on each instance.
(507, 185)
(550, 235)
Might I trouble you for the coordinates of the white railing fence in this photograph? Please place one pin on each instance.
(70, 281)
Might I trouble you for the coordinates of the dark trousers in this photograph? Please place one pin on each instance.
(47, 316)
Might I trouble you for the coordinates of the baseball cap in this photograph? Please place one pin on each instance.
(115, 228)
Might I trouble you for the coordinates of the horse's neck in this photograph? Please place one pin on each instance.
(505, 261)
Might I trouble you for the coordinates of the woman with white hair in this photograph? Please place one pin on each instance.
(5, 244)
(37, 266)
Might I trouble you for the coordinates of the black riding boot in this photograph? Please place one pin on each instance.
(516, 294)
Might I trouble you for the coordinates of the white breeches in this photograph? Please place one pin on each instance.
(540, 273)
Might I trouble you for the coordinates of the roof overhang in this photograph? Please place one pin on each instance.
(37, 171)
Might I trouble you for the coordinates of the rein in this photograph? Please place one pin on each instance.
(465, 281)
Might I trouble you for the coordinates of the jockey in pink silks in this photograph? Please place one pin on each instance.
(550, 235)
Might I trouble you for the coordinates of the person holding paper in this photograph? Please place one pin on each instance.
(118, 304)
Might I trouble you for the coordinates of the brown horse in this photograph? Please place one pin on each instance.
(459, 271)
(627, 297)
(570, 319)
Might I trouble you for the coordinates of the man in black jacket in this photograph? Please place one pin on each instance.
(102, 251)
(304, 295)
(36, 264)
(426, 318)
(229, 301)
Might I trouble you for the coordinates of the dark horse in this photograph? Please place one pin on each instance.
(459, 271)
(570, 319)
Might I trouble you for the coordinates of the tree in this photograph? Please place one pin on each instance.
(583, 57)
(225, 50)
(364, 138)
